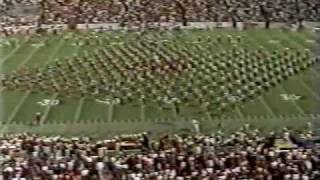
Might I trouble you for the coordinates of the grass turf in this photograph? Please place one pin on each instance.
(85, 113)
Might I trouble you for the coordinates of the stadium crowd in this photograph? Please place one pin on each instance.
(18, 12)
(245, 154)
(151, 11)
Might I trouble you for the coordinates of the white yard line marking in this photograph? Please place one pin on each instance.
(174, 112)
(18, 106)
(79, 110)
(80, 103)
(309, 89)
(209, 115)
(47, 110)
(237, 109)
(261, 98)
(4, 59)
(314, 72)
(27, 94)
(310, 41)
(296, 44)
(55, 95)
(14, 51)
(28, 58)
(239, 112)
(110, 112)
(142, 111)
(298, 107)
(281, 87)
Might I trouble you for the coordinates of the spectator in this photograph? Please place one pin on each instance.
(145, 13)
(246, 154)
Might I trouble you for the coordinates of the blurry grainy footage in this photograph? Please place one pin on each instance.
(159, 89)
(315, 82)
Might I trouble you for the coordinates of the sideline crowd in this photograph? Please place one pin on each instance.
(245, 154)
(132, 12)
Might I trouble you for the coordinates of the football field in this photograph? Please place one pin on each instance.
(293, 102)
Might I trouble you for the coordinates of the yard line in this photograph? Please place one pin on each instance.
(14, 51)
(78, 112)
(80, 104)
(209, 116)
(2, 127)
(142, 111)
(309, 89)
(262, 100)
(110, 113)
(18, 106)
(27, 94)
(55, 95)
(55, 51)
(239, 112)
(2, 111)
(284, 90)
(311, 70)
(237, 109)
(293, 102)
(174, 112)
(296, 44)
(28, 58)
(47, 110)
(314, 72)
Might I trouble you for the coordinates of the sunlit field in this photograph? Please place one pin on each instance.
(224, 78)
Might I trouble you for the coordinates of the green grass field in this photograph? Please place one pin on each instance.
(76, 116)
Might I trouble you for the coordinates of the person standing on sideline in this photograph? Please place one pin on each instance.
(37, 119)
(196, 126)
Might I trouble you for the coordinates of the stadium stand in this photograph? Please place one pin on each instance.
(149, 70)
(246, 154)
(142, 12)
